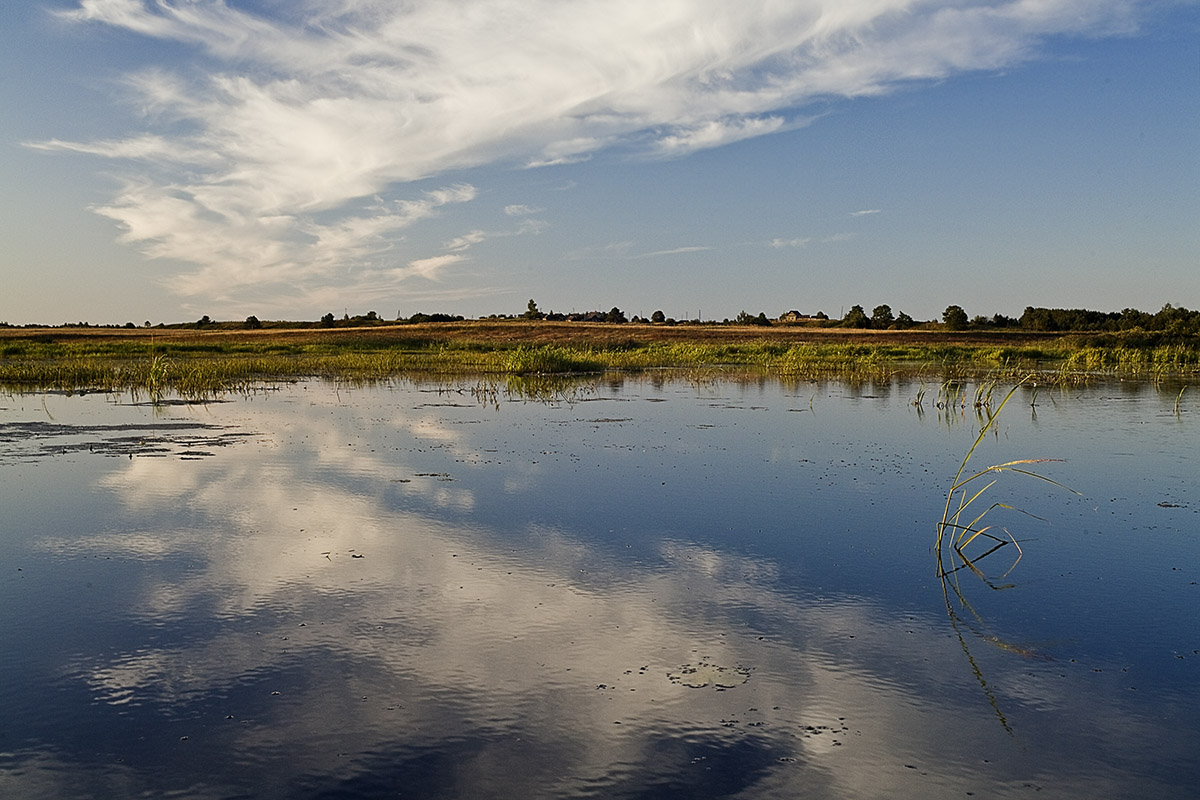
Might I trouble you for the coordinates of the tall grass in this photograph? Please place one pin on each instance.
(962, 524)
(204, 367)
(957, 528)
(1152, 362)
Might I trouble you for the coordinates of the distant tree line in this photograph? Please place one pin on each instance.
(1170, 320)
(881, 318)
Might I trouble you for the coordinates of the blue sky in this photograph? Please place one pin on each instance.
(162, 160)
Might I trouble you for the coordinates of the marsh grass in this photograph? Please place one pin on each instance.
(1154, 363)
(958, 529)
(199, 366)
(963, 524)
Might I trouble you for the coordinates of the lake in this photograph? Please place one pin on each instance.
(631, 587)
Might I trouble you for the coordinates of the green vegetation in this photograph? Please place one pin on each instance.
(1169, 323)
(955, 530)
(197, 363)
(954, 318)
(958, 530)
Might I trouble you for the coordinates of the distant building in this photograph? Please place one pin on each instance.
(793, 316)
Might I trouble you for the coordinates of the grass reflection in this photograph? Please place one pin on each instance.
(958, 530)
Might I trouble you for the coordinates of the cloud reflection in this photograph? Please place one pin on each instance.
(539, 660)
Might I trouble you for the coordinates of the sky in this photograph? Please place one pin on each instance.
(161, 160)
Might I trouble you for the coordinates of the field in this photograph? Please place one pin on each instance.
(196, 363)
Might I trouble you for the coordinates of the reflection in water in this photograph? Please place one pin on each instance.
(966, 621)
(642, 590)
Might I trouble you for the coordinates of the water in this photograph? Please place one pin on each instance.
(641, 589)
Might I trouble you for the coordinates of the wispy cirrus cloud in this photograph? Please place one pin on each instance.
(465, 241)
(235, 251)
(779, 244)
(524, 227)
(613, 250)
(866, 212)
(428, 268)
(839, 237)
(718, 132)
(251, 162)
(674, 251)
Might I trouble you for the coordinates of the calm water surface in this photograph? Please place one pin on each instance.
(643, 589)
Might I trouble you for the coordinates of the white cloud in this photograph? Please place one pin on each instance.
(520, 210)
(674, 251)
(716, 133)
(839, 237)
(610, 250)
(865, 212)
(236, 250)
(428, 268)
(781, 243)
(531, 226)
(148, 148)
(468, 240)
(251, 159)
(465, 241)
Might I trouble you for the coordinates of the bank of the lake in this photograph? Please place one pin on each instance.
(198, 362)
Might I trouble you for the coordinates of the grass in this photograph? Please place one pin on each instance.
(963, 523)
(199, 364)
(957, 528)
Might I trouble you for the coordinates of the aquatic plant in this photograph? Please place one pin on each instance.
(955, 531)
(524, 360)
(919, 400)
(207, 362)
(156, 379)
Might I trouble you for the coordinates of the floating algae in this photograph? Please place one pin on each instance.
(704, 673)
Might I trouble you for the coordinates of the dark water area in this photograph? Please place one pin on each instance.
(642, 588)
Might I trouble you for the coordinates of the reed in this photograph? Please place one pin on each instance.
(207, 365)
(957, 529)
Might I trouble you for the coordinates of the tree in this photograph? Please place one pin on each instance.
(955, 318)
(327, 320)
(532, 312)
(749, 319)
(856, 318)
(204, 321)
(658, 316)
(252, 322)
(882, 317)
(615, 315)
(904, 321)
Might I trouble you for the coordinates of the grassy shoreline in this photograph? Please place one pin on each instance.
(202, 363)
